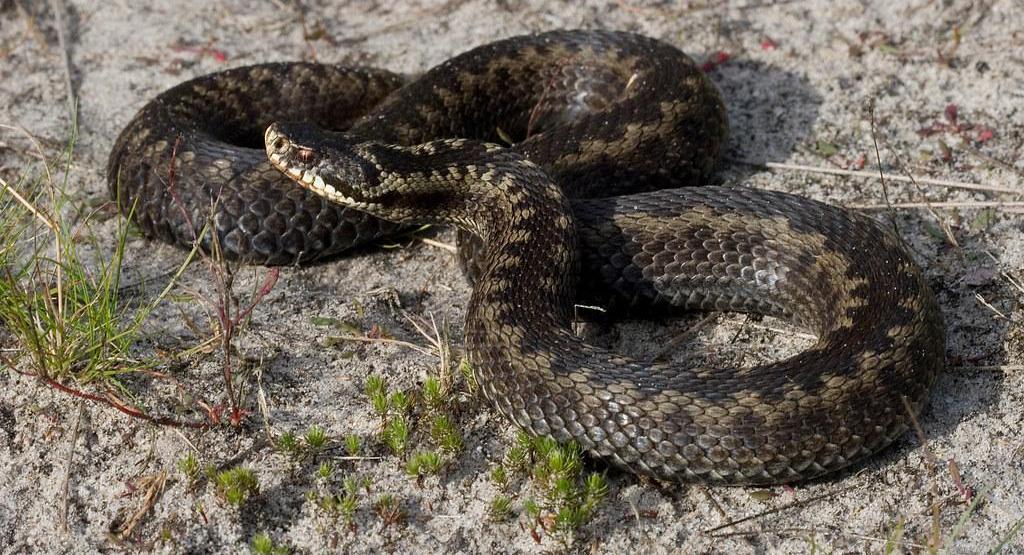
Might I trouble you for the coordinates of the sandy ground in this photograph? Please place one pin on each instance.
(800, 82)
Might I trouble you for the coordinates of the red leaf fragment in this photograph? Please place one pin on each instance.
(768, 44)
(858, 163)
(375, 332)
(951, 114)
(967, 131)
(237, 415)
(933, 129)
(946, 152)
(201, 51)
(717, 59)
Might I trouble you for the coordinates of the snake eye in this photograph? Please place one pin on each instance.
(305, 155)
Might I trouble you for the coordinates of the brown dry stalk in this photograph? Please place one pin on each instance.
(154, 485)
(888, 177)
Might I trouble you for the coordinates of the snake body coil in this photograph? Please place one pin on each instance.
(591, 114)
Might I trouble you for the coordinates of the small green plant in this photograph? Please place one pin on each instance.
(377, 394)
(557, 465)
(532, 509)
(349, 506)
(325, 470)
(189, 466)
(288, 444)
(352, 445)
(351, 486)
(262, 544)
(350, 502)
(380, 404)
(569, 499)
(399, 402)
(210, 471)
(316, 438)
(577, 511)
(313, 442)
(423, 464)
(500, 508)
(236, 485)
(499, 476)
(389, 510)
(467, 374)
(517, 457)
(443, 431)
(374, 384)
(432, 393)
(596, 489)
(329, 502)
(396, 435)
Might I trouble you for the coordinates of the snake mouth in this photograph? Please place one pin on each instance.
(308, 165)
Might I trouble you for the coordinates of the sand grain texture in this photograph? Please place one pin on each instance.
(800, 82)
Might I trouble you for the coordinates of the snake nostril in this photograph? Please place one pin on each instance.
(280, 144)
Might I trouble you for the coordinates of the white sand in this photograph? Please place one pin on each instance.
(792, 103)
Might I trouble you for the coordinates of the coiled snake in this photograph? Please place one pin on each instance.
(608, 130)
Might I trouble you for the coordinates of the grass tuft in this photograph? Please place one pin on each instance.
(423, 464)
(325, 470)
(353, 445)
(236, 485)
(263, 544)
(288, 444)
(316, 438)
(389, 509)
(189, 466)
(61, 293)
(433, 394)
(447, 436)
(467, 374)
(568, 498)
(396, 435)
(500, 508)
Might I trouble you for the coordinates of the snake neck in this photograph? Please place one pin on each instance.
(529, 266)
(528, 263)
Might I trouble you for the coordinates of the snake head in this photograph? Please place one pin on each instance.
(433, 182)
(326, 163)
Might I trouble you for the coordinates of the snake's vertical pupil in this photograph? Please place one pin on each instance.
(305, 155)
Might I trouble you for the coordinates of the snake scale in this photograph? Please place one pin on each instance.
(604, 134)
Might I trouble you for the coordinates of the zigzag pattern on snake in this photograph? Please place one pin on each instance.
(608, 131)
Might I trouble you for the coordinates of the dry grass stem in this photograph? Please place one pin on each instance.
(951, 204)
(780, 508)
(412, 346)
(888, 177)
(154, 485)
(445, 246)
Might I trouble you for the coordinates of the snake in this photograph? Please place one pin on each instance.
(577, 164)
